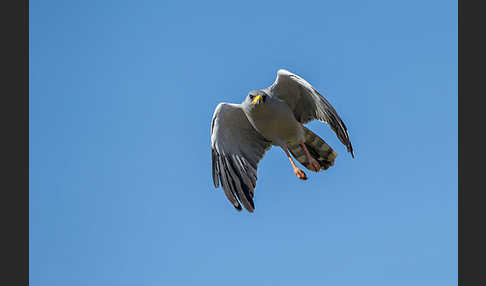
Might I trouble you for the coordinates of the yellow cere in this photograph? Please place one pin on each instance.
(257, 98)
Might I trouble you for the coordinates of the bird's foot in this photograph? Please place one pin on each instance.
(300, 174)
(314, 165)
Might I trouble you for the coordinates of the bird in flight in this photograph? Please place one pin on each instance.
(273, 116)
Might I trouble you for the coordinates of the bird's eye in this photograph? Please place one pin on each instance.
(251, 97)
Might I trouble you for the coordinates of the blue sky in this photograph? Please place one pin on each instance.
(121, 99)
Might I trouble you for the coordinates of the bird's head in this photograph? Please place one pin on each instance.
(256, 97)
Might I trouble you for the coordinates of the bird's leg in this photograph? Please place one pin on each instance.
(313, 164)
(298, 172)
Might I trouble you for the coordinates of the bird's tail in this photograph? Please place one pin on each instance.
(318, 149)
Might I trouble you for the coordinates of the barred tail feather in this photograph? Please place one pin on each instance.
(318, 149)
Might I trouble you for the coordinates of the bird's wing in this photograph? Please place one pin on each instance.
(308, 104)
(236, 150)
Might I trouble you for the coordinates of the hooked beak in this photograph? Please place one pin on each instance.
(257, 100)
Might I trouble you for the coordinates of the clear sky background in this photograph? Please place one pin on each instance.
(121, 99)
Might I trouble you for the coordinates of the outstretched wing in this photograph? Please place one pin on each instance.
(236, 150)
(308, 104)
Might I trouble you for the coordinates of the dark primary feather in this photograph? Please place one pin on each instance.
(236, 150)
(308, 104)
